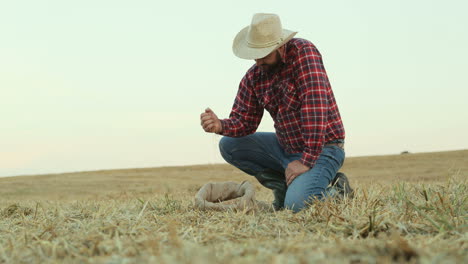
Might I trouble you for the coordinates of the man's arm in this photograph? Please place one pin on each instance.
(313, 88)
(246, 112)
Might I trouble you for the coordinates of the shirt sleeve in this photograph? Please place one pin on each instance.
(313, 87)
(246, 112)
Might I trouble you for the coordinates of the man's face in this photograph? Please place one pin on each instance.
(269, 63)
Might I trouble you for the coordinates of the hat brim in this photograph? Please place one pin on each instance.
(242, 50)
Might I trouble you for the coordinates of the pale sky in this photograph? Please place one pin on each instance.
(89, 85)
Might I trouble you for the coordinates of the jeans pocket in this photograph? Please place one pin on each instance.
(334, 155)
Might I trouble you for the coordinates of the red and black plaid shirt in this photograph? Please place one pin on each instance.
(298, 97)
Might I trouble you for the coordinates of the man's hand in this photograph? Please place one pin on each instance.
(210, 122)
(293, 170)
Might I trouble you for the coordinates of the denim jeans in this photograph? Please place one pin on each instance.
(260, 152)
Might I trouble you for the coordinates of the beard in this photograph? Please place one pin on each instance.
(271, 67)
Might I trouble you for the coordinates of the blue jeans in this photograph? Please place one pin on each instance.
(260, 152)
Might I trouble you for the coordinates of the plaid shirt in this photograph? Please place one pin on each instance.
(298, 97)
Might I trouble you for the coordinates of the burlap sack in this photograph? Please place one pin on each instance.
(223, 196)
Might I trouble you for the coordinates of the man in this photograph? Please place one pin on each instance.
(303, 157)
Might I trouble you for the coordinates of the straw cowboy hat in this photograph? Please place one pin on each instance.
(264, 35)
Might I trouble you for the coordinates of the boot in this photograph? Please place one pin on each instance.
(276, 182)
(341, 184)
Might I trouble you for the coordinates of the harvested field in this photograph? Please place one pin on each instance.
(408, 208)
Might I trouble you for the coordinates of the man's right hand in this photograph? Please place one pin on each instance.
(210, 122)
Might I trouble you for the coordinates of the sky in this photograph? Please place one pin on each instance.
(88, 85)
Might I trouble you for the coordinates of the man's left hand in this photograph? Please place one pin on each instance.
(294, 169)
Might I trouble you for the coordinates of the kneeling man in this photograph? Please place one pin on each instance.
(301, 159)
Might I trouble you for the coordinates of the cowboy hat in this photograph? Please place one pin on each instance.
(264, 35)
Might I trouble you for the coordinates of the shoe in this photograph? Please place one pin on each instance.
(341, 184)
(278, 203)
(275, 182)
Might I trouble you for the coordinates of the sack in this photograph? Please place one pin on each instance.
(225, 196)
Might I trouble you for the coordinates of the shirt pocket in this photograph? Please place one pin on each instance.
(264, 100)
(290, 100)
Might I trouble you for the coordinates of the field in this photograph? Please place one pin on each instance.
(408, 208)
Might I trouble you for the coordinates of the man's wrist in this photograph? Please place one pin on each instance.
(308, 159)
(220, 131)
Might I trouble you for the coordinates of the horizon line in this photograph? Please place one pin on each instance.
(201, 164)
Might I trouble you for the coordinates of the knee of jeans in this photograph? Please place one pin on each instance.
(298, 201)
(295, 206)
(294, 202)
(226, 145)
